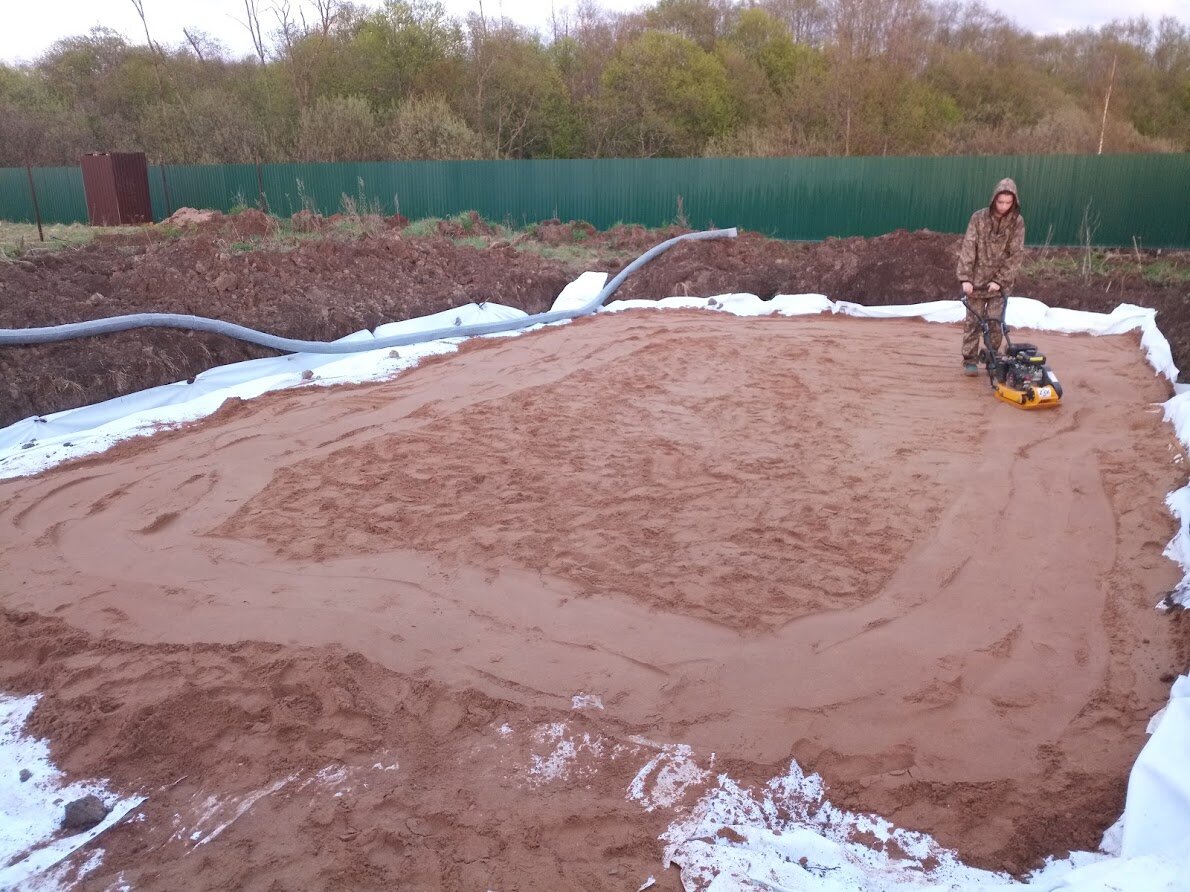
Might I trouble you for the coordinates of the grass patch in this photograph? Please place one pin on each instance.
(1067, 265)
(464, 221)
(20, 239)
(1166, 272)
(578, 253)
(421, 228)
(1083, 264)
(170, 230)
(472, 241)
(353, 227)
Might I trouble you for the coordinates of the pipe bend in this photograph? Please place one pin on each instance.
(13, 337)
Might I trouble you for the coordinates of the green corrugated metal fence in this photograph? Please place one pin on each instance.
(1117, 198)
(60, 194)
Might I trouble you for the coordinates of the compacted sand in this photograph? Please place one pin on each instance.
(347, 620)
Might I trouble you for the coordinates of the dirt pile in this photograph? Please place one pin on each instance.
(319, 289)
(244, 224)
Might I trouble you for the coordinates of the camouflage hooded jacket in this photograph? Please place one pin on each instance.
(993, 246)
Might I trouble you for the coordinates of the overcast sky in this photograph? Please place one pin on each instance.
(28, 27)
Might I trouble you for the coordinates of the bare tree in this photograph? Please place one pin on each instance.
(160, 72)
(1106, 100)
(289, 32)
(139, 6)
(806, 20)
(205, 47)
(194, 38)
(864, 29)
(329, 12)
(252, 23)
(301, 61)
(559, 22)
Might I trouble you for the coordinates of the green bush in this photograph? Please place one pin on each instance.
(428, 129)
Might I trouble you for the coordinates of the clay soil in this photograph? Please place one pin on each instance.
(350, 637)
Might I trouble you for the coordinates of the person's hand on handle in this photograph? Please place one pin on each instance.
(993, 287)
(968, 289)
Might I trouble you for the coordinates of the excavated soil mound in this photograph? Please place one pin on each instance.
(244, 224)
(908, 268)
(319, 290)
(332, 286)
(364, 618)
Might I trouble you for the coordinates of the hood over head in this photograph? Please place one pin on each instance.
(1006, 185)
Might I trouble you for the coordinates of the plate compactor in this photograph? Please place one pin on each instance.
(1019, 375)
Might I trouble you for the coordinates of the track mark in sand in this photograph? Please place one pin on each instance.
(1003, 646)
(952, 575)
(870, 626)
(19, 517)
(1076, 418)
(108, 499)
(511, 685)
(641, 664)
(367, 401)
(678, 727)
(938, 694)
(159, 523)
(52, 534)
(429, 410)
(492, 620)
(115, 613)
(1044, 649)
(347, 435)
(219, 447)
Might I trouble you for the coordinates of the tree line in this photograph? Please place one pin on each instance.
(335, 81)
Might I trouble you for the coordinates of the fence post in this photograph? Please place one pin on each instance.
(36, 207)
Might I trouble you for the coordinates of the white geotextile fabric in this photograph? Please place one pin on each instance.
(31, 810)
(38, 442)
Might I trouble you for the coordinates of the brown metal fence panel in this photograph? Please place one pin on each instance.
(117, 188)
(132, 187)
(103, 207)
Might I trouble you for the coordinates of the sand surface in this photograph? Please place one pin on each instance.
(767, 538)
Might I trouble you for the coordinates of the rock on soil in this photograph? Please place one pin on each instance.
(85, 813)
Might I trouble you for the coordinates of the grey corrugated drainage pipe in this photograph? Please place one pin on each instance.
(11, 337)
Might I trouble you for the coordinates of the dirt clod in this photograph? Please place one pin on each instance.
(84, 813)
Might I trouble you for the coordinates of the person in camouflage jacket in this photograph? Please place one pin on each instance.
(989, 260)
